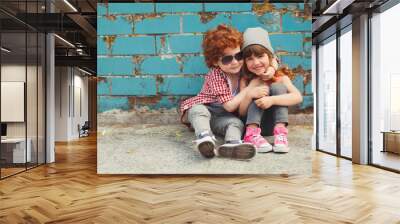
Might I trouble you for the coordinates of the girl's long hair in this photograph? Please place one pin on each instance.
(258, 50)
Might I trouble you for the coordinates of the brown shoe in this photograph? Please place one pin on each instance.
(206, 144)
(237, 150)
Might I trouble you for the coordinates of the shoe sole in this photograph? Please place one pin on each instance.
(240, 152)
(206, 149)
(281, 149)
(264, 149)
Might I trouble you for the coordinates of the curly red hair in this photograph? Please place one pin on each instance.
(217, 40)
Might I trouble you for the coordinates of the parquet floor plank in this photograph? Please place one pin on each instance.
(70, 191)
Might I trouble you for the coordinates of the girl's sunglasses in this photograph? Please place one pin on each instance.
(227, 59)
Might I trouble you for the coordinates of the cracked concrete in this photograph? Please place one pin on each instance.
(168, 149)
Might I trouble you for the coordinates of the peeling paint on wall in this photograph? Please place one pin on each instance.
(132, 101)
(206, 17)
(137, 60)
(261, 9)
(140, 17)
(111, 17)
(160, 79)
(109, 40)
(148, 100)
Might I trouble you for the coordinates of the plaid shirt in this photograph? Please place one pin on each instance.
(215, 90)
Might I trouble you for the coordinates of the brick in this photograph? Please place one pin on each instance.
(167, 102)
(160, 65)
(291, 23)
(179, 7)
(115, 66)
(193, 23)
(298, 81)
(287, 42)
(101, 46)
(130, 8)
(103, 87)
(105, 103)
(101, 9)
(194, 65)
(288, 6)
(133, 45)
(180, 85)
(308, 102)
(302, 6)
(307, 44)
(294, 61)
(174, 44)
(226, 7)
(107, 26)
(163, 24)
(132, 86)
(269, 21)
(157, 102)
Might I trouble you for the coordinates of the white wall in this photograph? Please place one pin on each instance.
(70, 83)
(61, 103)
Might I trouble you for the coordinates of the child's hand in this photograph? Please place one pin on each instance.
(258, 92)
(264, 102)
(268, 74)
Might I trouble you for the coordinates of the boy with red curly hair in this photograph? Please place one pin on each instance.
(213, 109)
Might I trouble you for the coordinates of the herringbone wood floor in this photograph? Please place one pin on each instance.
(70, 191)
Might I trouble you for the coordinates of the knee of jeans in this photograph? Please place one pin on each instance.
(199, 110)
(253, 108)
(237, 123)
(278, 89)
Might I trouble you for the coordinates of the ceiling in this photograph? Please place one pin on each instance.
(330, 15)
(76, 25)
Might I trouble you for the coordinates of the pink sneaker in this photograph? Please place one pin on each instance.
(281, 141)
(253, 136)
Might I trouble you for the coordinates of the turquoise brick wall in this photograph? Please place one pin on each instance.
(149, 54)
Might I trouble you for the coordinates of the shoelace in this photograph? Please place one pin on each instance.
(281, 138)
(257, 138)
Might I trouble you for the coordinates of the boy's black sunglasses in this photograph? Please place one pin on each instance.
(227, 59)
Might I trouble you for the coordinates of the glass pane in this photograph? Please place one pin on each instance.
(327, 96)
(346, 94)
(385, 86)
(13, 85)
(41, 99)
(31, 100)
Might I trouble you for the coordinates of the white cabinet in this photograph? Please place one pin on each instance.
(16, 147)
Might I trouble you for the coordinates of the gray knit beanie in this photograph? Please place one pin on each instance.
(258, 36)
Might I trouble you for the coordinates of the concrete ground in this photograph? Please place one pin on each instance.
(168, 149)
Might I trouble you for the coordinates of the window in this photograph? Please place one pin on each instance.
(327, 95)
(385, 86)
(346, 92)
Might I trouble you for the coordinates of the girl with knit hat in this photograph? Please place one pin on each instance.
(268, 114)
